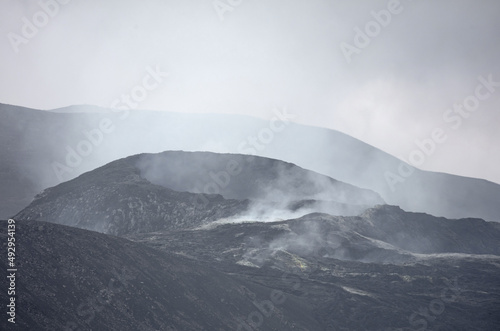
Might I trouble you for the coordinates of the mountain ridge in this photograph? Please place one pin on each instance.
(42, 138)
(117, 198)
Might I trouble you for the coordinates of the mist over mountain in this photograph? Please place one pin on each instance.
(317, 272)
(43, 151)
(286, 248)
(177, 190)
(247, 177)
(383, 234)
(232, 165)
(150, 192)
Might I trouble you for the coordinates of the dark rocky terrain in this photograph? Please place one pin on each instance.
(118, 199)
(231, 261)
(384, 270)
(228, 276)
(73, 279)
(34, 140)
(384, 234)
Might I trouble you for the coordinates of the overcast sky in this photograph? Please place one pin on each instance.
(388, 87)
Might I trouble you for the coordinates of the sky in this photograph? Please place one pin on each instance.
(409, 77)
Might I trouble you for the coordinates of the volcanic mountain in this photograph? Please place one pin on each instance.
(150, 192)
(233, 242)
(41, 150)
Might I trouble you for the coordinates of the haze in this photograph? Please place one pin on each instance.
(261, 54)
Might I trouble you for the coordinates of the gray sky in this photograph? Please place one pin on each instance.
(251, 56)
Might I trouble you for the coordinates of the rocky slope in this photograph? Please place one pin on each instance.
(119, 199)
(420, 273)
(220, 260)
(384, 234)
(239, 277)
(73, 279)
